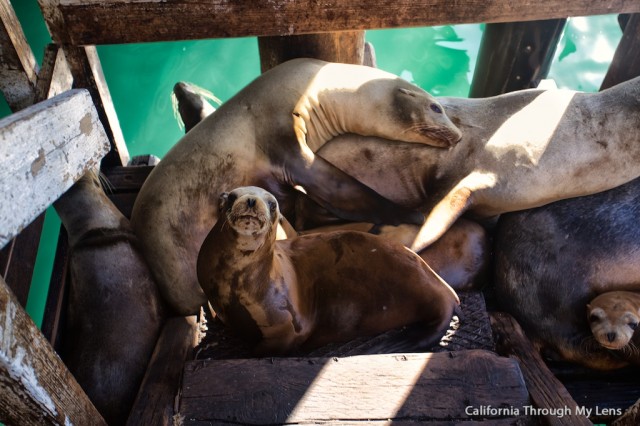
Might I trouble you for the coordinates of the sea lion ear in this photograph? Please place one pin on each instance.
(222, 200)
(408, 92)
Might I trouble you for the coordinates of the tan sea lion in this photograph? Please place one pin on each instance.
(519, 150)
(614, 317)
(266, 135)
(114, 310)
(550, 262)
(308, 291)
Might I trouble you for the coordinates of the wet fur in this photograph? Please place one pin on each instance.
(550, 262)
(304, 292)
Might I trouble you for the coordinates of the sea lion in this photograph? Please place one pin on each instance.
(266, 135)
(307, 291)
(552, 260)
(614, 317)
(114, 310)
(519, 151)
(460, 256)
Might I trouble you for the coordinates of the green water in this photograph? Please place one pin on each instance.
(140, 77)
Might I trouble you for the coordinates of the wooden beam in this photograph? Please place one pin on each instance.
(547, 392)
(35, 385)
(18, 67)
(514, 56)
(625, 64)
(44, 149)
(83, 22)
(427, 387)
(19, 257)
(631, 417)
(156, 398)
(86, 70)
(344, 46)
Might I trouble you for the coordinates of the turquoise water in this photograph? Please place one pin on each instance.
(141, 76)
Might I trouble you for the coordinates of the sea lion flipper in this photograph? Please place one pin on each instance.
(443, 215)
(347, 197)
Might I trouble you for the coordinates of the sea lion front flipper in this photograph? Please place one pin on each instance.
(443, 215)
(347, 197)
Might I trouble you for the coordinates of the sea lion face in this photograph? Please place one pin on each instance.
(613, 321)
(429, 122)
(249, 210)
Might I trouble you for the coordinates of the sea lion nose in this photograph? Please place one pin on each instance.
(251, 202)
(611, 336)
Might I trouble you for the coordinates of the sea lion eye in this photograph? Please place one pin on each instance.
(435, 108)
(633, 325)
(231, 198)
(272, 206)
(594, 318)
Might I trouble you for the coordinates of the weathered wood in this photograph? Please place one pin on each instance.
(154, 404)
(18, 67)
(87, 74)
(631, 416)
(625, 64)
(35, 386)
(344, 46)
(546, 391)
(82, 22)
(44, 149)
(19, 257)
(514, 56)
(359, 388)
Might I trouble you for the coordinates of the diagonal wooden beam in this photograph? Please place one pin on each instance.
(83, 22)
(35, 385)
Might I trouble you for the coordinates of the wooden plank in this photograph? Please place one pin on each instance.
(155, 402)
(83, 22)
(547, 392)
(514, 56)
(87, 74)
(35, 386)
(625, 64)
(359, 388)
(344, 46)
(19, 257)
(18, 67)
(631, 416)
(44, 149)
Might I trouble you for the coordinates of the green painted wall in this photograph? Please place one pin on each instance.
(141, 76)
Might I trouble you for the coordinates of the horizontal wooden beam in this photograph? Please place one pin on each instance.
(436, 387)
(44, 149)
(35, 385)
(83, 22)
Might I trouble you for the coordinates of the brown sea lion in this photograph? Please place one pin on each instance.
(266, 135)
(114, 310)
(614, 318)
(308, 291)
(519, 150)
(550, 262)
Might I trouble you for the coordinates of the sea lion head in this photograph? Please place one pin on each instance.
(427, 120)
(250, 211)
(613, 320)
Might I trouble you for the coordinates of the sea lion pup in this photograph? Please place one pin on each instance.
(114, 311)
(551, 261)
(519, 150)
(266, 135)
(304, 292)
(614, 317)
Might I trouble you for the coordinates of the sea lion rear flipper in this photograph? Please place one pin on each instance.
(347, 197)
(443, 215)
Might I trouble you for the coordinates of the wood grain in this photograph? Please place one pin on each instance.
(35, 386)
(416, 387)
(545, 389)
(44, 149)
(83, 22)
